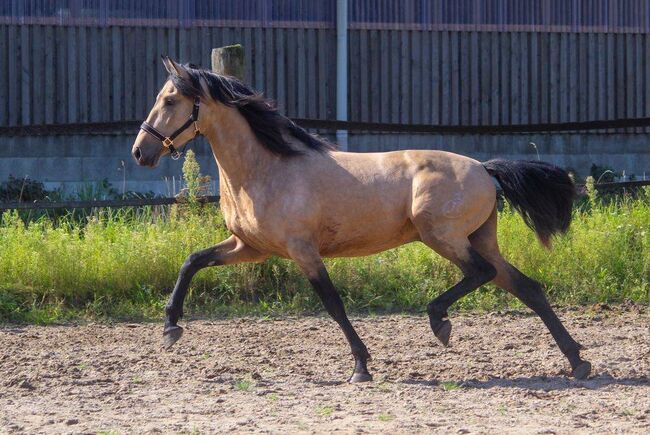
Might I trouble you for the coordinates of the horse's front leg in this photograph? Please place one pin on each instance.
(230, 251)
(309, 260)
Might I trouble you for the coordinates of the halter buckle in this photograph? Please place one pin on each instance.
(167, 142)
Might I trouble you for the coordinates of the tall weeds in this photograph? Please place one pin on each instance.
(122, 265)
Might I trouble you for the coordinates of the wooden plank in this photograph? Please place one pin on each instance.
(363, 85)
(395, 76)
(257, 57)
(82, 60)
(25, 76)
(117, 74)
(13, 46)
(404, 74)
(415, 78)
(611, 78)
(105, 75)
(564, 87)
(61, 75)
(354, 76)
(629, 75)
(515, 78)
(184, 49)
(505, 78)
(601, 56)
(247, 42)
(384, 79)
(464, 85)
(281, 73)
(310, 97)
(141, 82)
(425, 92)
(323, 77)
(332, 74)
(583, 88)
(4, 78)
(37, 75)
(544, 74)
(495, 99)
(73, 75)
(486, 72)
(150, 65)
(592, 78)
(94, 76)
(474, 68)
(638, 79)
(128, 74)
(646, 78)
(374, 82)
(291, 79)
(301, 82)
(524, 84)
(445, 79)
(554, 77)
(573, 77)
(454, 50)
(269, 59)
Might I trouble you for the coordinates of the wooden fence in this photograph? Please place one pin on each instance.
(72, 74)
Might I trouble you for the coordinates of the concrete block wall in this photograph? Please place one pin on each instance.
(70, 162)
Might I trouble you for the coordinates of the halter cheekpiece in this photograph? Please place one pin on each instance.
(168, 141)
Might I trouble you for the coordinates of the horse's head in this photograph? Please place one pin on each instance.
(171, 122)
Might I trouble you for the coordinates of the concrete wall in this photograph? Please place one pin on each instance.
(74, 161)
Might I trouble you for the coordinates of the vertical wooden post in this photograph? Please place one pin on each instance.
(229, 61)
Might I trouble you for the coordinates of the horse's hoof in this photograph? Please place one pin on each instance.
(443, 332)
(582, 371)
(360, 377)
(171, 335)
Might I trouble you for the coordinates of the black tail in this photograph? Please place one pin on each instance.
(542, 193)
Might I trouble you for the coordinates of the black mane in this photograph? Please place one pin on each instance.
(262, 115)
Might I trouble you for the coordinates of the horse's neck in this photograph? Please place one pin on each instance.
(243, 161)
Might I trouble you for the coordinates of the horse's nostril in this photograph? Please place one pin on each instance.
(137, 154)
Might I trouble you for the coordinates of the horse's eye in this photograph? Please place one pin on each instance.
(169, 102)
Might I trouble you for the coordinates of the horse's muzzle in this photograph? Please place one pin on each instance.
(143, 157)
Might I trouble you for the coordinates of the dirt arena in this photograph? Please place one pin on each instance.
(501, 374)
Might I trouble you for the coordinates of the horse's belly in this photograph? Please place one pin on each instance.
(370, 240)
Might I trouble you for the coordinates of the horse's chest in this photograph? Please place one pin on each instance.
(241, 222)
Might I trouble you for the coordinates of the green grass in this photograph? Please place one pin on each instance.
(122, 265)
(243, 385)
(450, 386)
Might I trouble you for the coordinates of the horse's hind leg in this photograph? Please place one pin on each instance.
(230, 251)
(476, 272)
(530, 293)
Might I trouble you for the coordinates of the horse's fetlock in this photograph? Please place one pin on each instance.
(435, 312)
(173, 313)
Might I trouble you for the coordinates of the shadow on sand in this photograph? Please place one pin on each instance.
(545, 383)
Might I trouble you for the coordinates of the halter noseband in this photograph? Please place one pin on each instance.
(168, 141)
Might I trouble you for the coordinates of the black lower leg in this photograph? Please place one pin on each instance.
(476, 272)
(174, 309)
(334, 306)
(530, 293)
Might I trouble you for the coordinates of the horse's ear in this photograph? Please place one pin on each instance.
(174, 68)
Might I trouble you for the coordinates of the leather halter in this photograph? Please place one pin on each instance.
(168, 141)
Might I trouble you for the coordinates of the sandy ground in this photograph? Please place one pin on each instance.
(501, 374)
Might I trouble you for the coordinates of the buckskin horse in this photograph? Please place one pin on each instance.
(288, 193)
